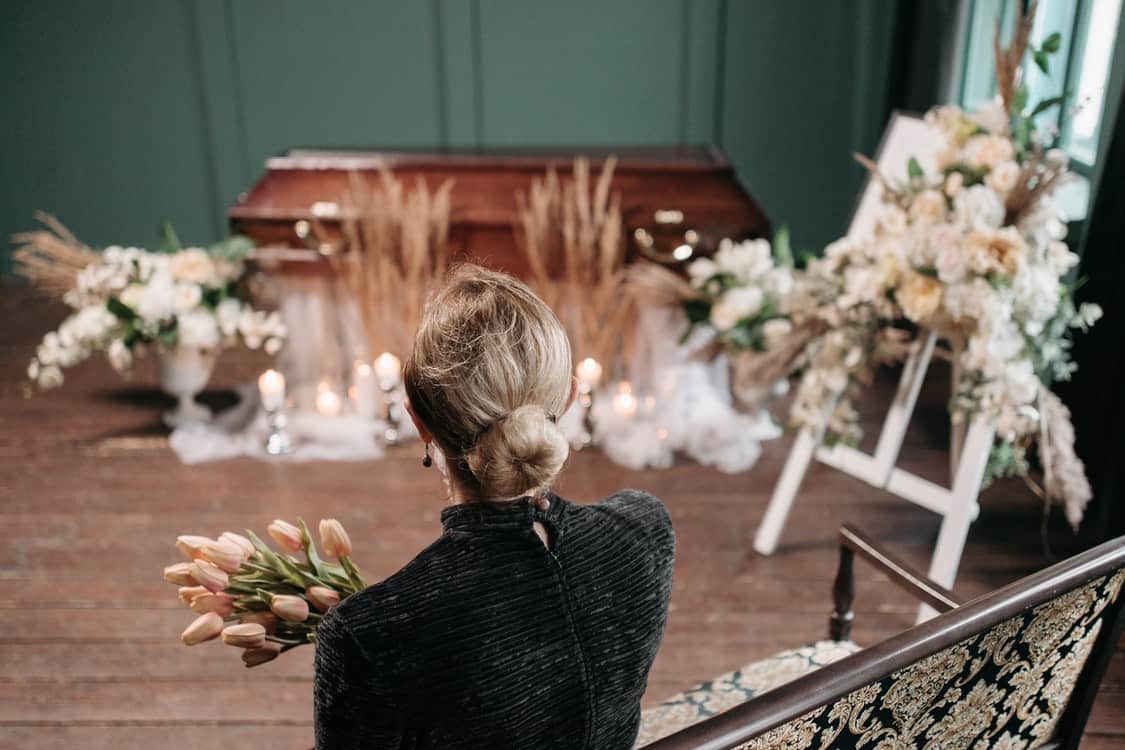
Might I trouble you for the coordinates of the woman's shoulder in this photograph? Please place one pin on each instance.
(633, 511)
(373, 616)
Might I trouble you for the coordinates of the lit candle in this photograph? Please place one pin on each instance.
(624, 402)
(589, 373)
(388, 370)
(362, 392)
(271, 387)
(327, 402)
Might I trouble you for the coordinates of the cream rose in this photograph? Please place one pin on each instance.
(192, 265)
(928, 207)
(1003, 177)
(919, 296)
(988, 150)
(1000, 251)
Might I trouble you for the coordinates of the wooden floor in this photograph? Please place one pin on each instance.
(91, 500)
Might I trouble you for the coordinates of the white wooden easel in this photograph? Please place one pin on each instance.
(957, 506)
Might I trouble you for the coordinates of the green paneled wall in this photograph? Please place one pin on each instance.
(119, 112)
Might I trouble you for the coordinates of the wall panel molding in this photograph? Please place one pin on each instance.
(216, 66)
(457, 32)
(702, 68)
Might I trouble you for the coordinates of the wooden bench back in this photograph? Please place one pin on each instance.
(1017, 668)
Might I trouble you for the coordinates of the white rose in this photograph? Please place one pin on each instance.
(735, 305)
(120, 356)
(993, 117)
(193, 265)
(198, 329)
(953, 184)
(775, 331)
(131, 296)
(986, 151)
(50, 377)
(928, 207)
(1003, 177)
(978, 207)
(156, 302)
(186, 297)
(228, 312)
(745, 260)
(952, 263)
(892, 221)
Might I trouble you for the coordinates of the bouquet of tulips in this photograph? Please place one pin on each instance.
(262, 601)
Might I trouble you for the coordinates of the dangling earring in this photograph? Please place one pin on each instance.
(427, 460)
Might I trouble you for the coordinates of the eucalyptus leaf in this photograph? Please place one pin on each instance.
(120, 309)
(169, 242)
(782, 249)
(1046, 104)
(914, 169)
(1052, 43)
(1042, 61)
(1019, 99)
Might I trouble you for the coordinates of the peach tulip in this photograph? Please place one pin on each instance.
(334, 538)
(225, 555)
(191, 545)
(245, 635)
(322, 597)
(290, 608)
(181, 574)
(203, 628)
(220, 604)
(209, 575)
(267, 620)
(286, 535)
(252, 657)
(187, 593)
(245, 544)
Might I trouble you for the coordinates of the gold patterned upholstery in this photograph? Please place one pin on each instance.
(723, 692)
(1003, 689)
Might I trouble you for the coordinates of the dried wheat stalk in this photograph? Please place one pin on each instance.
(1008, 60)
(573, 240)
(395, 248)
(51, 258)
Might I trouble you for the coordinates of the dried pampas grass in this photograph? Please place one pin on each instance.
(573, 239)
(1064, 475)
(396, 247)
(51, 258)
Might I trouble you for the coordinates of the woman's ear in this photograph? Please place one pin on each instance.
(422, 431)
(573, 393)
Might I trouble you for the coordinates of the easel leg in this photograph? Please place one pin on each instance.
(962, 510)
(765, 541)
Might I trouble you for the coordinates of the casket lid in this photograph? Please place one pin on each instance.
(311, 183)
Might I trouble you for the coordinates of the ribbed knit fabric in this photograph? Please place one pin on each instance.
(488, 639)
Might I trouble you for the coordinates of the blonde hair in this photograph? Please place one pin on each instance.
(489, 376)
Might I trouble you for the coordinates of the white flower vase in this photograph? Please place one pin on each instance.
(184, 372)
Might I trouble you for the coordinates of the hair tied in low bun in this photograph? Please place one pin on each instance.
(521, 451)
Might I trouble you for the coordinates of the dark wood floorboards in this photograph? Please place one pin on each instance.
(91, 500)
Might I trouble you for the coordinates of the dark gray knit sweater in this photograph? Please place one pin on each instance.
(488, 639)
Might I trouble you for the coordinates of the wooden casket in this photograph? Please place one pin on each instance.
(671, 197)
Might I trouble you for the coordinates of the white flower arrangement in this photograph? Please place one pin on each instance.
(975, 252)
(129, 298)
(742, 293)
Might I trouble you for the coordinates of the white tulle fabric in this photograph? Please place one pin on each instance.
(684, 406)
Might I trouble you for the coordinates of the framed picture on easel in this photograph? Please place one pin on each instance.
(906, 137)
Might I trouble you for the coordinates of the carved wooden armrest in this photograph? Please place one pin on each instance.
(852, 543)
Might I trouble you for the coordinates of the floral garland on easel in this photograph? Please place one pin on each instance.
(975, 252)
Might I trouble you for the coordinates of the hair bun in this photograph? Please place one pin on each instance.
(519, 452)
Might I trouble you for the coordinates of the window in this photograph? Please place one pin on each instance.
(1079, 70)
